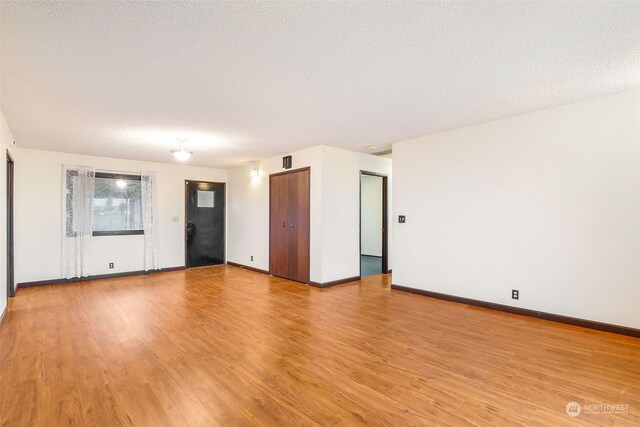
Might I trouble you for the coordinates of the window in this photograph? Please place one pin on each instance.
(117, 205)
(205, 199)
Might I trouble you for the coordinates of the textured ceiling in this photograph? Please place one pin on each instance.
(250, 80)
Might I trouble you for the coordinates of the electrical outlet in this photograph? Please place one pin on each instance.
(251, 257)
(515, 294)
(111, 265)
(402, 219)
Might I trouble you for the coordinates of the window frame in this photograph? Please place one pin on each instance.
(116, 176)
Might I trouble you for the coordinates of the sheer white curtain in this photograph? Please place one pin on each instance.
(77, 219)
(150, 220)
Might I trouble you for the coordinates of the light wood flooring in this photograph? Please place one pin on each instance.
(226, 346)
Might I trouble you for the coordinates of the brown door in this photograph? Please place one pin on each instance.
(289, 228)
(279, 242)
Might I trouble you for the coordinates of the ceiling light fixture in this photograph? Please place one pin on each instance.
(181, 153)
(371, 148)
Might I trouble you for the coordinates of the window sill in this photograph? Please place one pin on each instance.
(117, 233)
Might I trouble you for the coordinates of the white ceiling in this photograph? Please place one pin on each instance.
(250, 80)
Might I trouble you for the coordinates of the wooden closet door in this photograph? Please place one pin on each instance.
(299, 238)
(278, 232)
(289, 225)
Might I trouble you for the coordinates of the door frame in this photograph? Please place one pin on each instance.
(308, 168)
(186, 213)
(385, 220)
(10, 225)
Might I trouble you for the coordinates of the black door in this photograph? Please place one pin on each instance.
(10, 278)
(205, 223)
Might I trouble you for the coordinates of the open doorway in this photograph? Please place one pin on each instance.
(373, 224)
(10, 271)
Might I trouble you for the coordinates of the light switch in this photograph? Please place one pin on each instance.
(175, 219)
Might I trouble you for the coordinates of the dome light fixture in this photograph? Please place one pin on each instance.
(180, 152)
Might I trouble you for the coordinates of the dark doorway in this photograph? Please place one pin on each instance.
(10, 271)
(289, 227)
(373, 224)
(205, 223)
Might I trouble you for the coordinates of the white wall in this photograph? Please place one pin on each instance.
(248, 210)
(335, 177)
(340, 214)
(334, 212)
(547, 203)
(341, 209)
(38, 214)
(371, 215)
(6, 143)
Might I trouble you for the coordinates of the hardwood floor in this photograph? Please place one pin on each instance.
(227, 346)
